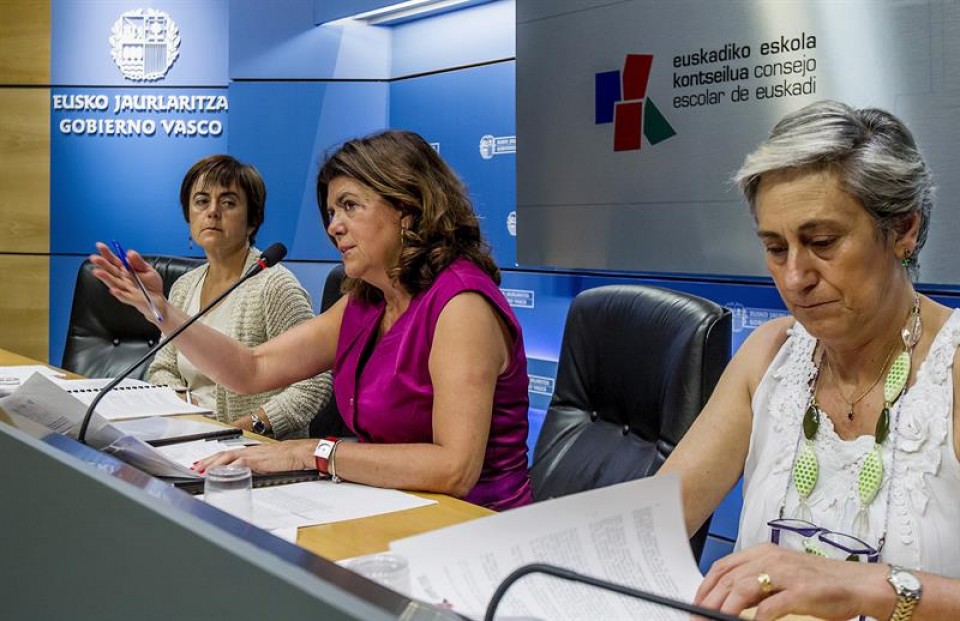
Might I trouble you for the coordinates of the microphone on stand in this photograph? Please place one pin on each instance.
(572, 576)
(270, 257)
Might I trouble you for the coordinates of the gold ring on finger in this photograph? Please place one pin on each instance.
(766, 585)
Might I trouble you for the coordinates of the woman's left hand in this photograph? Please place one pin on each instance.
(275, 457)
(779, 581)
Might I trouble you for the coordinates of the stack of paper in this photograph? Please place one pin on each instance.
(43, 401)
(131, 399)
(12, 377)
(323, 502)
(631, 534)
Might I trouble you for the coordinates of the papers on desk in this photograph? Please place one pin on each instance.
(185, 453)
(22, 372)
(44, 401)
(288, 506)
(12, 377)
(167, 427)
(632, 534)
(131, 399)
(323, 502)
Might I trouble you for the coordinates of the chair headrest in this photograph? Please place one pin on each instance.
(105, 336)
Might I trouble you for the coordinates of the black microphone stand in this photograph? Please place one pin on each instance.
(572, 576)
(264, 262)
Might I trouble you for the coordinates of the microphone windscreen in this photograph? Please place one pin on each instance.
(274, 254)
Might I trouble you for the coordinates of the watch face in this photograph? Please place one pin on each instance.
(323, 450)
(907, 581)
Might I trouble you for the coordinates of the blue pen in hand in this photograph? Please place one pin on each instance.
(122, 254)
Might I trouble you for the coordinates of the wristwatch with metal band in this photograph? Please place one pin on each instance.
(908, 590)
(258, 425)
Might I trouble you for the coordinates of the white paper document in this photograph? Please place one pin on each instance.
(632, 534)
(131, 399)
(43, 401)
(167, 427)
(156, 427)
(22, 372)
(323, 502)
(12, 377)
(185, 453)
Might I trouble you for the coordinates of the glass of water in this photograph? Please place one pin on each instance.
(230, 488)
(390, 570)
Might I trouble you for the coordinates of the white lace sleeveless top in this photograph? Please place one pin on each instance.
(918, 505)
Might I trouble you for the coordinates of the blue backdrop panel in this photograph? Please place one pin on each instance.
(123, 187)
(464, 37)
(284, 129)
(456, 110)
(312, 276)
(325, 11)
(328, 10)
(81, 49)
(278, 40)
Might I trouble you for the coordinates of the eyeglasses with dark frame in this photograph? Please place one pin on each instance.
(853, 547)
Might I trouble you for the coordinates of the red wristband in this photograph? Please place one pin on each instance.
(322, 453)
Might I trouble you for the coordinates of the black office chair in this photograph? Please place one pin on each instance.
(105, 336)
(637, 364)
(328, 421)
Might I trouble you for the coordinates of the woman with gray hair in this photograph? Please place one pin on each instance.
(841, 417)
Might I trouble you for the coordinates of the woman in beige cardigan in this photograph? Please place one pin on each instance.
(223, 202)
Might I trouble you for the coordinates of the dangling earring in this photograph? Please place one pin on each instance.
(403, 235)
(190, 239)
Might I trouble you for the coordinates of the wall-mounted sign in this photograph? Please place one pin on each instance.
(491, 145)
(80, 112)
(144, 43)
(110, 43)
(721, 74)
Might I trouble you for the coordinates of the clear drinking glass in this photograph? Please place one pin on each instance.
(390, 570)
(230, 488)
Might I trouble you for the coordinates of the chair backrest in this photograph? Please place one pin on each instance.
(331, 287)
(328, 421)
(105, 336)
(637, 364)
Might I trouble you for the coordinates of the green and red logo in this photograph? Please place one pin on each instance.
(621, 99)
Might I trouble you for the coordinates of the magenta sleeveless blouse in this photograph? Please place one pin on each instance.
(389, 399)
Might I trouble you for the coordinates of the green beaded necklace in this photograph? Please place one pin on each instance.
(806, 466)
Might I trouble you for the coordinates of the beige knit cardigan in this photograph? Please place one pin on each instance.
(267, 305)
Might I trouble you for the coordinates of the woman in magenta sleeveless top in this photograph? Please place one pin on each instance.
(428, 358)
(390, 398)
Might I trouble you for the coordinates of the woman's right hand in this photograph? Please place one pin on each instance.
(780, 582)
(110, 270)
(266, 458)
